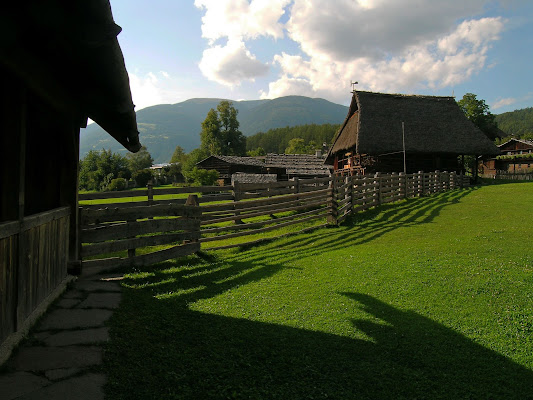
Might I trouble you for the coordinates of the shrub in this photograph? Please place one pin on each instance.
(142, 177)
(203, 177)
(117, 184)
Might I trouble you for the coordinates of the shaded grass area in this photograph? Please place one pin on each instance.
(430, 298)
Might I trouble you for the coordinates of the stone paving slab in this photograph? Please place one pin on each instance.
(67, 303)
(97, 286)
(110, 277)
(85, 387)
(73, 294)
(61, 373)
(17, 384)
(74, 318)
(84, 336)
(46, 358)
(101, 300)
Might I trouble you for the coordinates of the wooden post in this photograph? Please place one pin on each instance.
(20, 273)
(422, 183)
(237, 196)
(377, 189)
(348, 193)
(150, 193)
(402, 181)
(332, 216)
(192, 200)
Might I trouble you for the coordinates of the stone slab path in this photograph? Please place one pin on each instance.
(59, 360)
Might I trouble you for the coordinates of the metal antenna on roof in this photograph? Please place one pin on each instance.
(353, 85)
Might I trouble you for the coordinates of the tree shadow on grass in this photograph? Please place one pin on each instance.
(164, 350)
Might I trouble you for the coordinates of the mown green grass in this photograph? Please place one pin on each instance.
(430, 298)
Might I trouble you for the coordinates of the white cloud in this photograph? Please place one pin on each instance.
(347, 30)
(231, 64)
(504, 102)
(150, 89)
(237, 21)
(386, 45)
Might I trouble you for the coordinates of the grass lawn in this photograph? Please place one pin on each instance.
(429, 298)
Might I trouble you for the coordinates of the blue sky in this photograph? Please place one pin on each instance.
(251, 49)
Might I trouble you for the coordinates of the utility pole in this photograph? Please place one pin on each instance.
(403, 141)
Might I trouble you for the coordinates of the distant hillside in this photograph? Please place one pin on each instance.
(518, 123)
(165, 126)
(277, 140)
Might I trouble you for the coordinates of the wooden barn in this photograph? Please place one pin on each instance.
(432, 132)
(60, 65)
(229, 165)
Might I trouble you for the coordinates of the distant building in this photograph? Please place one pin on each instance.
(283, 166)
(380, 128)
(516, 156)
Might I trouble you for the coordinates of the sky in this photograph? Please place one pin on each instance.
(262, 49)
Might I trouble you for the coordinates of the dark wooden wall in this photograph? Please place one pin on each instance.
(38, 192)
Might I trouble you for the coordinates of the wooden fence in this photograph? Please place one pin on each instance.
(511, 176)
(33, 262)
(217, 213)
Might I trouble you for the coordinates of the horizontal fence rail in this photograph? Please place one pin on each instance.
(184, 220)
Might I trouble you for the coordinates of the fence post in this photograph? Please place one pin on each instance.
(150, 194)
(452, 180)
(332, 216)
(348, 193)
(377, 189)
(237, 196)
(420, 181)
(192, 200)
(402, 182)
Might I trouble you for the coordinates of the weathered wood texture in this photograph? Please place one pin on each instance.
(184, 228)
(109, 230)
(33, 261)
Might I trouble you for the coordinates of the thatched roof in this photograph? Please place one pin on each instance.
(432, 125)
(68, 53)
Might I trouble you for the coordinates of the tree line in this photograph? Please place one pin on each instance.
(220, 135)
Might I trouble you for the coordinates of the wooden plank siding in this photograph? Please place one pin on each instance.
(33, 262)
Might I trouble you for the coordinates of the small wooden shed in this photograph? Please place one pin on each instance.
(229, 165)
(299, 165)
(60, 64)
(432, 132)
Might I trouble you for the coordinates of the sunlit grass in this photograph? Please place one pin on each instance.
(429, 298)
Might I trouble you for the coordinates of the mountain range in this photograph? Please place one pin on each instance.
(165, 126)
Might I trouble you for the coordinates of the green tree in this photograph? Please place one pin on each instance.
(256, 152)
(179, 155)
(298, 146)
(203, 177)
(140, 160)
(220, 131)
(99, 168)
(477, 111)
(193, 158)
